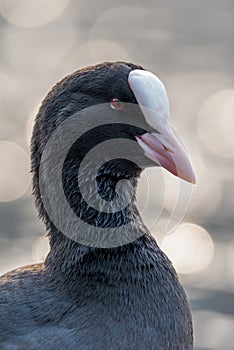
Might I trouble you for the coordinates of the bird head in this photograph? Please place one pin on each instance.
(110, 101)
(133, 95)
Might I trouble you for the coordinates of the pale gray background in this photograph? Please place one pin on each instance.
(190, 46)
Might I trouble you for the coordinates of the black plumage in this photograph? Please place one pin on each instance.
(82, 297)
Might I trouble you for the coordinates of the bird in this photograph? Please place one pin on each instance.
(109, 287)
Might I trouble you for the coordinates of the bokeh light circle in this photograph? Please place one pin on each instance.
(230, 271)
(40, 249)
(189, 247)
(30, 123)
(95, 51)
(216, 123)
(31, 13)
(14, 171)
(37, 52)
(207, 193)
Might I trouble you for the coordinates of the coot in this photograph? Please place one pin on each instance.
(110, 287)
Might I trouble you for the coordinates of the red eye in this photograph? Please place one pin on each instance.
(117, 104)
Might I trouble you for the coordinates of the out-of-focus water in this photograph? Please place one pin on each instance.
(190, 46)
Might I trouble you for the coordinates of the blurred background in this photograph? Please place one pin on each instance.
(190, 46)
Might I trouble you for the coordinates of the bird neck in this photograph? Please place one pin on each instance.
(104, 204)
(68, 261)
(101, 236)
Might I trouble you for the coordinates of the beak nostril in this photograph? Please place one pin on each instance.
(166, 149)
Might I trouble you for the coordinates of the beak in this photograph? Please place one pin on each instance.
(160, 146)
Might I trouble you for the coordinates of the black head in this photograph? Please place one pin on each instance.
(102, 86)
(106, 83)
(100, 100)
